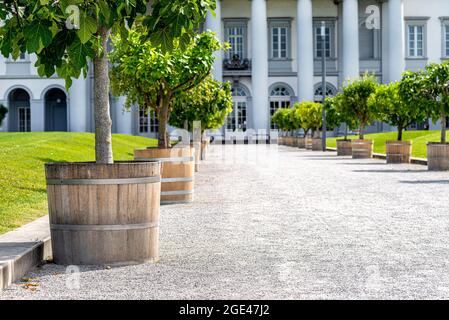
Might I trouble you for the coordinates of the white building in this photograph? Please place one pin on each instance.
(274, 61)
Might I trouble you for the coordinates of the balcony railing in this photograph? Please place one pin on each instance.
(236, 63)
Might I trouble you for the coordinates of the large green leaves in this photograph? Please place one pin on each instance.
(88, 27)
(37, 35)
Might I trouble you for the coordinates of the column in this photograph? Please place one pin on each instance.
(123, 117)
(259, 70)
(214, 24)
(78, 105)
(350, 23)
(304, 41)
(37, 111)
(396, 39)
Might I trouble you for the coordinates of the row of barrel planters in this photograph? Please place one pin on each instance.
(397, 152)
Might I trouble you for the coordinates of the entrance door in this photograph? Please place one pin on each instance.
(55, 110)
(24, 119)
(237, 119)
(274, 106)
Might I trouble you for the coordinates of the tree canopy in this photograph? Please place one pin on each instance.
(151, 77)
(354, 103)
(282, 119)
(391, 107)
(209, 102)
(310, 114)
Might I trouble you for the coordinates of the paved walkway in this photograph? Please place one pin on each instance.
(286, 224)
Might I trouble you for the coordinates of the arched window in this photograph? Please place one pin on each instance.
(330, 91)
(237, 119)
(280, 97)
(280, 91)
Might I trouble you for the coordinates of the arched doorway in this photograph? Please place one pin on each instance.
(238, 118)
(19, 113)
(280, 97)
(55, 110)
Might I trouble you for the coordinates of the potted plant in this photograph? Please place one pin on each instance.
(354, 103)
(281, 118)
(431, 89)
(209, 103)
(151, 78)
(94, 218)
(335, 116)
(392, 108)
(3, 112)
(310, 115)
(294, 121)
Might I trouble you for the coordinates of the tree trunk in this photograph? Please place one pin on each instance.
(163, 137)
(362, 131)
(103, 122)
(400, 130)
(443, 127)
(346, 132)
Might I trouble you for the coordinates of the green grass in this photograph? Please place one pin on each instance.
(23, 195)
(419, 138)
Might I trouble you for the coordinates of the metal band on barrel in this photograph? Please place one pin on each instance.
(179, 159)
(187, 179)
(176, 193)
(112, 227)
(144, 180)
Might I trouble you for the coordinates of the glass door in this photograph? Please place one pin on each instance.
(276, 105)
(237, 119)
(24, 119)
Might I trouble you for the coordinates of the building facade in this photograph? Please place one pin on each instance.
(274, 61)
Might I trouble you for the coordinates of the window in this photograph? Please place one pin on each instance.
(446, 40)
(148, 123)
(22, 56)
(415, 41)
(237, 119)
(143, 121)
(236, 40)
(280, 97)
(319, 42)
(279, 38)
(330, 91)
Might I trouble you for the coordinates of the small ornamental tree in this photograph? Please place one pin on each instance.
(310, 114)
(3, 112)
(391, 108)
(433, 92)
(281, 118)
(354, 101)
(210, 103)
(151, 78)
(294, 119)
(67, 35)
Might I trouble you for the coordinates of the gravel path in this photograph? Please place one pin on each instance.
(285, 224)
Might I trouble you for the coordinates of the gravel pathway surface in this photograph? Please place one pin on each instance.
(282, 223)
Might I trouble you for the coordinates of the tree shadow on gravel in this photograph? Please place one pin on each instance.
(390, 171)
(426, 182)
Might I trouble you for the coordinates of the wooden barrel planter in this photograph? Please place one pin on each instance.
(399, 151)
(177, 171)
(317, 144)
(309, 143)
(104, 214)
(362, 149)
(344, 148)
(295, 142)
(438, 156)
(302, 143)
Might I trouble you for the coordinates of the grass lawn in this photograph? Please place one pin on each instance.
(23, 195)
(419, 138)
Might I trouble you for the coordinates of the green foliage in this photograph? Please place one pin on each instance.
(151, 78)
(282, 119)
(36, 26)
(3, 112)
(310, 114)
(391, 107)
(209, 102)
(429, 89)
(354, 101)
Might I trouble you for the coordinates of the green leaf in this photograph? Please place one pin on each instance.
(38, 35)
(78, 53)
(88, 27)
